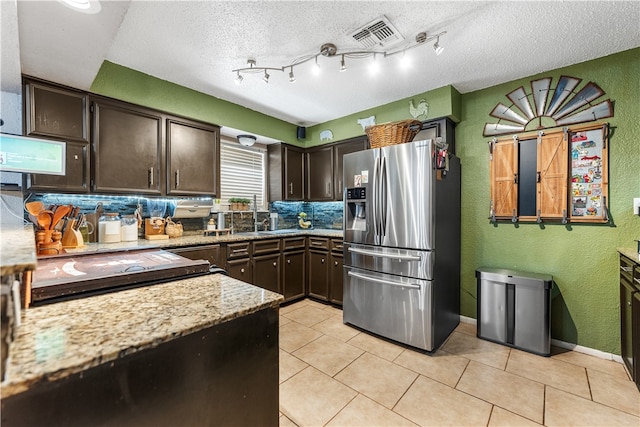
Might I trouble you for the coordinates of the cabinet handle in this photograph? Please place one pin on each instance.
(314, 243)
(177, 178)
(288, 261)
(328, 193)
(322, 260)
(275, 264)
(626, 269)
(335, 263)
(538, 177)
(151, 176)
(242, 270)
(637, 280)
(291, 188)
(239, 251)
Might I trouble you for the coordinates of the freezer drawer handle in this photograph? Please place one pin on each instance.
(386, 282)
(381, 255)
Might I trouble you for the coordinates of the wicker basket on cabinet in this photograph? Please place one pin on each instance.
(392, 133)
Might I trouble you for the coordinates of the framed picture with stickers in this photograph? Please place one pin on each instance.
(589, 173)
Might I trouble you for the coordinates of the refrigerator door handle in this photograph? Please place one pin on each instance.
(386, 282)
(384, 255)
(383, 196)
(374, 201)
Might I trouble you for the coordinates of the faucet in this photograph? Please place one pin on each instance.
(255, 214)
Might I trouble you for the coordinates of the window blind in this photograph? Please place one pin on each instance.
(242, 172)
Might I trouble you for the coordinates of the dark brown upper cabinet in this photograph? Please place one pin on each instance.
(193, 153)
(319, 167)
(286, 172)
(127, 148)
(55, 112)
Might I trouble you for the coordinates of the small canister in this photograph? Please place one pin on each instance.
(220, 220)
(129, 229)
(109, 228)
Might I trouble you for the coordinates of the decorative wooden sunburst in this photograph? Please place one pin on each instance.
(562, 104)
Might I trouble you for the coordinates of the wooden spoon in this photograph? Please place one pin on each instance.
(60, 213)
(45, 218)
(34, 208)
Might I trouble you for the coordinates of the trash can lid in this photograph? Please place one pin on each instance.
(514, 276)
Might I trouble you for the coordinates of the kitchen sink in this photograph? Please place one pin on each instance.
(283, 231)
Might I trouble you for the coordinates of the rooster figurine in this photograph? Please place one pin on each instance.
(421, 110)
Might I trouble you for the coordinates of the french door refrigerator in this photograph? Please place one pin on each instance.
(402, 242)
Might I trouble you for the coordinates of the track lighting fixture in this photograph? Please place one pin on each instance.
(329, 50)
(436, 46)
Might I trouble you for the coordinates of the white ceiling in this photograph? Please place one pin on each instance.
(197, 44)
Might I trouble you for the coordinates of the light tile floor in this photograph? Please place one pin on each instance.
(332, 374)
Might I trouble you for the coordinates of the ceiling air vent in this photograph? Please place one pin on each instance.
(379, 32)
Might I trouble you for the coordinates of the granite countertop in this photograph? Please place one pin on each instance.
(200, 239)
(58, 340)
(632, 254)
(17, 249)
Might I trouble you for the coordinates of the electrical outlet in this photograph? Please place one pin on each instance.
(636, 206)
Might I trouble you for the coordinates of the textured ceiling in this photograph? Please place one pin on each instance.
(197, 44)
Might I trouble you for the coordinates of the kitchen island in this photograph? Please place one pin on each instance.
(197, 351)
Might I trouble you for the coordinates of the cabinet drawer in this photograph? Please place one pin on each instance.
(627, 270)
(291, 243)
(210, 253)
(238, 250)
(266, 246)
(336, 245)
(318, 243)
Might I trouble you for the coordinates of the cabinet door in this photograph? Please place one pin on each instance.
(336, 288)
(127, 149)
(76, 178)
(635, 335)
(56, 112)
(293, 174)
(320, 174)
(266, 272)
(339, 150)
(319, 274)
(240, 269)
(553, 165)
(193, 152)
(294, 275)
(504, 178)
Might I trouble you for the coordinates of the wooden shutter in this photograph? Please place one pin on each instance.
(553, 160)
(504, 175)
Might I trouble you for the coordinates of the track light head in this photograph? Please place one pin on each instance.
(292, 78)
(437, 48)
(266, 77)
(238, 79)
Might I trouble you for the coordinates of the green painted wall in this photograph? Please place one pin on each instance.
(582, 260)
(129, 85)
(442, 102)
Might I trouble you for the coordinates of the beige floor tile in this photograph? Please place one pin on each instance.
(336, 328)
(308, 315)
(430, 403)
(381, 348)
(335, 311)
(317, 304)
(286, 422)
(293, 306)
(592, 362)
(564, 409)
(440, 366)
(328, 354)
(364, 412)
(284, 320)
(378, 379)
(509, 391)
(503, 418)
(556, 373)
(293, 335)
(289, 366)
(612, 391)
(474, 348)
(467, 328)
(311, 398)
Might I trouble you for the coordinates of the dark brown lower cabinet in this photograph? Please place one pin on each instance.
(630, 316)
(319, 274)
(294, 274)
(211, 253)
(335, 291)
(266, 271)
(240, 269)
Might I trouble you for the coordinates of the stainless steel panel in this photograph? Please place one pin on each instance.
(532, 326)
(401, 262)
(355, 164)
(492, 310)
(394, 307)
(406, 196)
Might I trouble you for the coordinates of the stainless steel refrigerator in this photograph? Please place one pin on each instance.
(402, 242)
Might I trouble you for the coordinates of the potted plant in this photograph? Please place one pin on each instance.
(239, 204)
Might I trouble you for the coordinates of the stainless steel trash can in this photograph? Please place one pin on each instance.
(514, 309)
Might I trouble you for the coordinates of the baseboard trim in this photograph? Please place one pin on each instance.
(565, 345)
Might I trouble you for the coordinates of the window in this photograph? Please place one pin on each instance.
(242, 172)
